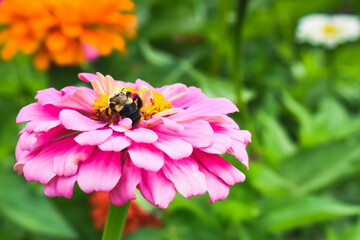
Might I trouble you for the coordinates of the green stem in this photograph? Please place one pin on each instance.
(237, 58)
(115, 222)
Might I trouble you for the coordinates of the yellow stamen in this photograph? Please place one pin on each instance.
(101, 103)
(158, 104)
(330, 30)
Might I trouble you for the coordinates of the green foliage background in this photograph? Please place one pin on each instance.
(301, 105)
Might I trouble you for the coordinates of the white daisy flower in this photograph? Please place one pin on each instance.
(328, 30)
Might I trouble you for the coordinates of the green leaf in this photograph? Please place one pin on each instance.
(154, 56)
(226, 209)
(320, 166)
(352, 233)
(275, 139)
(330, 122)
(301, 113)
(180, 204)
(19, 81)
(268, 182)
(29, 209)
(301, 211)
(217, 87)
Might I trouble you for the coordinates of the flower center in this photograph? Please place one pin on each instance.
(152, 104)
(101, 103)
(157, 104)
(330, 30)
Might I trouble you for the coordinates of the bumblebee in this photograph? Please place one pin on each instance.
(121, 102)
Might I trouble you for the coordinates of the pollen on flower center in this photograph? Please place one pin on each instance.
(330, 30)
(101, 103)
(157, 104)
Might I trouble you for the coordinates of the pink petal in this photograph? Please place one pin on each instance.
(40, 168)
(125, 189)
(79, 99)
(18, 167)
(207, 108)
(86, 77)
(110, 84)
(22, 157)
(221, 144)
(245, 136)
(239, 135)
(102, 81)
(122, 126)
(194, 96)
(74, 120)
(216, 188)
(49, 96)
(101, 172)
(51, 135)
(174, 147)
(146, 156)
(238, 149)
(139, 83)
(168, 112)
(199, 134)
(156, 188)
(18, 151)
(27, 141)
(142, 135)
(36, 111)
(213, 107)
(166, 122)
(68, 163)
(220, 167)
(174, 90)
(54, 97)
(146, 97)
(185, 175)
(20, 154)
(60, 187)
(240, 138)
(186, 119)
(218, 120)
(96, 85)
(41, 126)
(231, 123)
(94, 137)
(115, 143)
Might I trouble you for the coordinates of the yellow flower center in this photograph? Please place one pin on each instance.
(156, 105)
(330, 30)
(101, 103)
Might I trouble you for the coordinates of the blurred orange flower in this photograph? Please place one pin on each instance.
(57, 30)
(137, 217)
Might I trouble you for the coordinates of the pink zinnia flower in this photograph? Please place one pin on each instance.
(174, 148)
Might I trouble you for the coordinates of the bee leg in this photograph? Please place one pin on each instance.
(107, 112)
(111, 115)
(139, 102)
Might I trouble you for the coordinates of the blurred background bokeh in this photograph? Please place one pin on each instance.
(300, 102)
